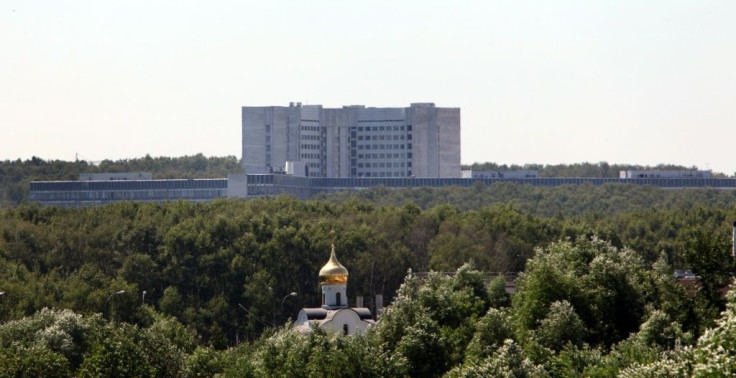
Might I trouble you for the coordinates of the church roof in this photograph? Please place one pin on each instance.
(333, 273)
(315, 313)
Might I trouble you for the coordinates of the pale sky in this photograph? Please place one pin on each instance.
(641, 82)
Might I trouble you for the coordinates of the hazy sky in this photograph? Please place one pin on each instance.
(642, 82)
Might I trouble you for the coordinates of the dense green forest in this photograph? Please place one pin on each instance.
(16, 176)
(595, 294)
(560, 201)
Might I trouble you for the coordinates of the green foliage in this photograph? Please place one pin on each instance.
(715, 354)
(490, 333)
(203, 362)
(561, 326)
(317, 354)
(708, 253)
(116, 355)
(606, 287)
(31, 362)
(508, 361)
(583, 307)
(564, 201)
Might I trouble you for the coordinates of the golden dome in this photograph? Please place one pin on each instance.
(333, 273)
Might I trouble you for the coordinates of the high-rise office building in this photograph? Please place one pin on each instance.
(353, 141)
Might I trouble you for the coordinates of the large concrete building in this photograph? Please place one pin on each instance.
(421, 141)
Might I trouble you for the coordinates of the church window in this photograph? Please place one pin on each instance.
(337, 299)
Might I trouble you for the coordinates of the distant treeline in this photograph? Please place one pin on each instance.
(559, 201)
(15, 176)
(599, 170)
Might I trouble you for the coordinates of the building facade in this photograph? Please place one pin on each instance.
(101, 192)
(421, 140)
(92, 193)
(661, 173)
(499, 174)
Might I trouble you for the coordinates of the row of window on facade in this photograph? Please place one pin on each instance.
(383, 174)
(310, 146)
(384, 165)
(384, 156)
(311, 156)
(384, 146)
(383, 137)
(382, 128)
(132, 195)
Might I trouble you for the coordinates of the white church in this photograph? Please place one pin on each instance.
(334, 315)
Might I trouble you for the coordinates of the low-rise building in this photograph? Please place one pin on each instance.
(691, 173)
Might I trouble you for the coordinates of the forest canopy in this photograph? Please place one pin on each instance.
(199, 289)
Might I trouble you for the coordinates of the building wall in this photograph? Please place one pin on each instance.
(499, 174)
(270, 137)
(91, 193)
(237, 186)
(448, 125)
(88, 193)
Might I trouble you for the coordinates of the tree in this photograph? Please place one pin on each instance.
(561, 326)
(708, 254)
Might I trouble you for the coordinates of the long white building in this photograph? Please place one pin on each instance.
(421, 141)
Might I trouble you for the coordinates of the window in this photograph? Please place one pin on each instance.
(337, 299)
(345, 329)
